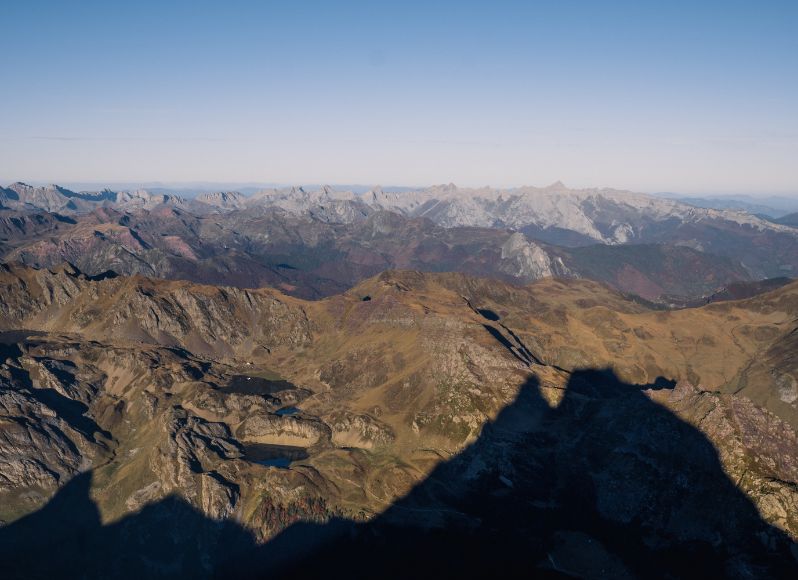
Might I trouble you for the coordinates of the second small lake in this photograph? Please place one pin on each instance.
(281, 456)
(248, 385)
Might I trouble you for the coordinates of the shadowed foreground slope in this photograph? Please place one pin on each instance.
(605, 484)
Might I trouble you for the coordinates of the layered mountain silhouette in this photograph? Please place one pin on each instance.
(314, 242)
(604, 483)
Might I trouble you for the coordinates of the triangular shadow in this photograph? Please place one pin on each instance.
(607, 483)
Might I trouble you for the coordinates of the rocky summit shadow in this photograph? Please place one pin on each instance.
(66, 539)
(605, 484)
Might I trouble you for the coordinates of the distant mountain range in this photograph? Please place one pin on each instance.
(767, 206)
(315, 242)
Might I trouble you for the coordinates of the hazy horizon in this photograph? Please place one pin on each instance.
(684, 97)
(213, 186)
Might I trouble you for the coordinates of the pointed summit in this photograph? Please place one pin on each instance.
(557, 185)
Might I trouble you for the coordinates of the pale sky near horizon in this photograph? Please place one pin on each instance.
(692, 97)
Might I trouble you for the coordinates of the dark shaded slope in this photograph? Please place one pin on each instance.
(66, 539)
(764, 253)
(742, 290)
(788, 220)
(654, 271)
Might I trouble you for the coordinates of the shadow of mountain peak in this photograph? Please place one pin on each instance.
(607, 484)
(167, 539)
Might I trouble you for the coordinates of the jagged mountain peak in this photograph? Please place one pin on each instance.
(19, 185)
(223, 199)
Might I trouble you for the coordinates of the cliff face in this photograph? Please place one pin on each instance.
(262, 409)
(203, 318)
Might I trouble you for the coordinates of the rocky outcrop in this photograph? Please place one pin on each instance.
(228, 200)
(186, 462)
(44, 437)
(36, 447)
(28, 292)
(758, 450)
(360, 431)
(216, 317)
(219, 496)
(528, 261)
(204, 318)
(283, 430)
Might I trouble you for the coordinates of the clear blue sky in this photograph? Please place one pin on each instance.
(698, 96)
